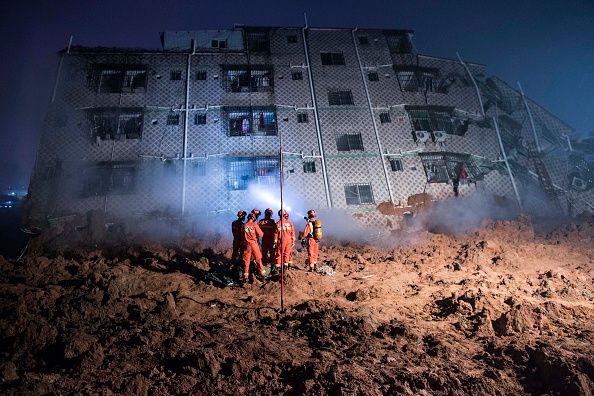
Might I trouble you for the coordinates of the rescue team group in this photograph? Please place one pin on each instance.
(278, 240)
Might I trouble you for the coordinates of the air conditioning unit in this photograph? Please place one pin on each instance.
(579, 184)
(439, 136)
(422, 136)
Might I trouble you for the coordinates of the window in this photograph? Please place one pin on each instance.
(258, 41)
(115, 123)
(363, 40)
(338, 98)
(435, 118)
(349, 142)
(243, 121)
(200, 119)
(176, 75)
(399, 42)
(358, 194)
(244, 78)
(220, 44)
(173, 119)
(332, 58)
(302, 118)
(309, 167)
(297, 75)
(108, 178)
(292, 39)
(117, 78)
(372, 76)
(243, 171)
(385, 118)
(201, 75)
(396, 165)
(416, 79)
(440, 167)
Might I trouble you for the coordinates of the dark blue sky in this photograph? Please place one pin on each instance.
(547, 45)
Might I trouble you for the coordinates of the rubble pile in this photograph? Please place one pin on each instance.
(503, 310)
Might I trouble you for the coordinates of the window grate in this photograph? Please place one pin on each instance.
(117, 78)
(440, 167)
(173, 119)
(175, 75)
(297, 75)
(339, 97)
(115, 123)
(201, 75)
(396, 165)
(109, 178)
(258, 41)
(243, 171)
(309, 167)
(200, 119)
(358, 194)
(302, 118)
(244, 121)
(349, 142)
(243, 78)
(385, 118)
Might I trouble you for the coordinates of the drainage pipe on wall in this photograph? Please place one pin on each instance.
(377, 138)
(509, 171)
(316, 118)
(186, 119)
(530, 118)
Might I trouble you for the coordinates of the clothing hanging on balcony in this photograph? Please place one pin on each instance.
(245, 125)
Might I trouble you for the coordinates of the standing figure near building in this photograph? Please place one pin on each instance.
(284, 240)
(251, 248)
(237, 231)
(268, 227)
(312, 235)
(256, 212)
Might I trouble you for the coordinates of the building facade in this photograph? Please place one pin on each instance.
(363, 120)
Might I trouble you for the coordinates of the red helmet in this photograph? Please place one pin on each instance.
(256, 212)
(251, 216)
(311, 213)
(241, 213)
(268, 211)
(283, 213)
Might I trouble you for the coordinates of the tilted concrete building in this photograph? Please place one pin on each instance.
(364, 120)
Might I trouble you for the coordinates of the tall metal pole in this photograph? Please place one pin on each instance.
(509, 171)
(476, 88)
(186, 120)
(530, 118)
(282, 263)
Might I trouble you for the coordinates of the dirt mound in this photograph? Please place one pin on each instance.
(504, 310)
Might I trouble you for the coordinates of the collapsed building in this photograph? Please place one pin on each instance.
(364, 120)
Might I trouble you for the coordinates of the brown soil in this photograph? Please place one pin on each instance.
(502, 311)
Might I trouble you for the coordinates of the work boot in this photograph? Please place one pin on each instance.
(261, 276)
(274, 270)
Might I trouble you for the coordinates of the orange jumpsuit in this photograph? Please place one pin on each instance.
(285, 233)
(251, 233)
(237, 231)
(312, 246)
(268, 227)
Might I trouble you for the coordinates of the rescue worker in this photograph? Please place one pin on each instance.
(237, 231)
(251, 233)
(256, 211)
(312, 244)
(284, 239)
(268, 227)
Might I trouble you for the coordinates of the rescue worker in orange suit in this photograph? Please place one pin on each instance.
(237, 231)
(312, 244)
(251, 233)
(284, 240)
(257, 212)
(268, 227)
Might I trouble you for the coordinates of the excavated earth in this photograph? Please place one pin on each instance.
(504, 310)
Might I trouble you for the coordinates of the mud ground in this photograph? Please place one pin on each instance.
(504, 310)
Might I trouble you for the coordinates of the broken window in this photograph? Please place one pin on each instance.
(244, 78)
(416, 78)
(107, 178)
(349, 142)
(340, 97)
(309, 166)
(373, 76)
(399, 42)
(243, 171)
(440, 167)
(358, 194)
(117, 78)
(332, 58)
(243, 121)
(436, 118)
(115, 123)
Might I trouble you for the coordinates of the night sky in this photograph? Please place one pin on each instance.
(547, 45)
